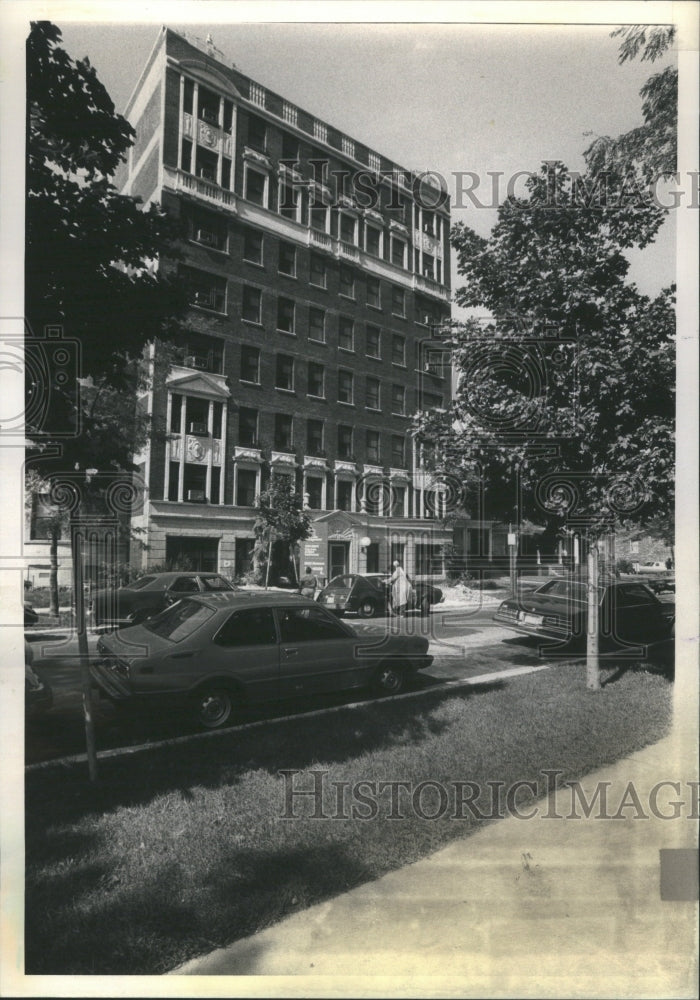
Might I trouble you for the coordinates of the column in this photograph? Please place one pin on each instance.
(210, 430)
(195, 127)
(168, 415)
(179, 122)
(222, 451)
(220, 142)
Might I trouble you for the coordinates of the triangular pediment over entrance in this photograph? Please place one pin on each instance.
(198, 383)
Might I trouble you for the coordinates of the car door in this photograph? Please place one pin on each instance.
(246, 648)
(316, 651)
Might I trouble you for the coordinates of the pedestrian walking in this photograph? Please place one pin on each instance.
(401, 589)
(308, 584)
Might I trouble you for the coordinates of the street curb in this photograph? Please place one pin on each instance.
(180, 740)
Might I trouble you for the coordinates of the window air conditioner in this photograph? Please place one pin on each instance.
(197, 428)
(211, 117)
(196, 495)
(190, 361)
(205, 299)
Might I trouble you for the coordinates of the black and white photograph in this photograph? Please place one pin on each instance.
(349, 440)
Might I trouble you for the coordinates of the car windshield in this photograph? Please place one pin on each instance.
(567, 590)
(180, 621)
(141, 583)
(216, 583)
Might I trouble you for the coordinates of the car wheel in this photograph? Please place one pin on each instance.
(367, 608)
(390, 678)
(425, 605)
(213, 707)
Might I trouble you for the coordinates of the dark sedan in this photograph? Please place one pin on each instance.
(629, 612)
(213, 651)
(370, 595)
(149, 595)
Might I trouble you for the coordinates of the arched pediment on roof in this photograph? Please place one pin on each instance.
(198, 384)
(202, 73)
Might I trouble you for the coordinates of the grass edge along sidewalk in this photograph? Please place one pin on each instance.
(185, 849)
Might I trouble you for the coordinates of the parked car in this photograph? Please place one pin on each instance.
(214, 650)
(30, 616)
(369, 595)
(629, 612)
(149, 595)
(38, 696)
(651, 567)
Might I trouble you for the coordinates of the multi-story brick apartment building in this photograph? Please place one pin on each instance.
(318, 270)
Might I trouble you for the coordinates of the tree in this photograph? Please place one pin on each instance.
(90, 260)
(279, 517)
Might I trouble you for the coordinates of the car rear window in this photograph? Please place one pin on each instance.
(180, 621)
(216, 583)
(141, 583)
(342, 581)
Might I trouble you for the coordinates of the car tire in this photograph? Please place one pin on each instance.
(367, 608)
(213, 706)
(424, 605)
(389, 679)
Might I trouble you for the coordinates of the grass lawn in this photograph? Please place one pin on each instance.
(183, 849)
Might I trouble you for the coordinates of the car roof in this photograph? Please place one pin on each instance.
(249, 598)
(176, 574)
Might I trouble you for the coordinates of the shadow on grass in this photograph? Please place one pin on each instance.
(112, 930)
(215, 759)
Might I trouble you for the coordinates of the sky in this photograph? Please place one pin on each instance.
(445, 97)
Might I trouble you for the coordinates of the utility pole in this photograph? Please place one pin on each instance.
(511, 559)
(593, 622)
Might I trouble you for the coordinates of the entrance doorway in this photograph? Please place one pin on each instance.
(338, 558)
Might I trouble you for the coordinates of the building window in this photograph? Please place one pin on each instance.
(347, 282)
(284, 372)
(247, 482)
(429, 560)
(287, 259)
(344, 442)
(373, 447)
(289, 202)
(285, 315)
(206, 165)
(257, 132)
(429, 223)
(398, 301)
(398, 501)
(318, 217)
(250, 364)
(317, 271)
(251, 304)
(316, 380)
(398, 350)
(428, 266)
(283, 432)
(398, 451)
(345, 387)
(247, 426)
(206, 354)
(346, 333)
(398, 400)
(373, 394)
(317, 324)
(208, 291)
(347, 228)
(320, 131)
(374, 293)
(374, 342)
(398, 252)
(255, 186)
(343, 494)
(314, 489)
(175, 413)
(314, 437)
(373, 241)
(209, 230)
(253, 246)
(430, 401)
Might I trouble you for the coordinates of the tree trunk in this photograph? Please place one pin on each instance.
(269, 560)
(53, 568)
(293, 561)
(592, 657)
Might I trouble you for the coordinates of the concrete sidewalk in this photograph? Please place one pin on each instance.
(522, 908)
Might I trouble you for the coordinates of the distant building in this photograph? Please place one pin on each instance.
(318, 272)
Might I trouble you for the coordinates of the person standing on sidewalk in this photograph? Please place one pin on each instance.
(400, 589)
(308, 584)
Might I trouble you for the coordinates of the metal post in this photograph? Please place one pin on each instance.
(511, 559)
(79, 594)
(592, 657)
